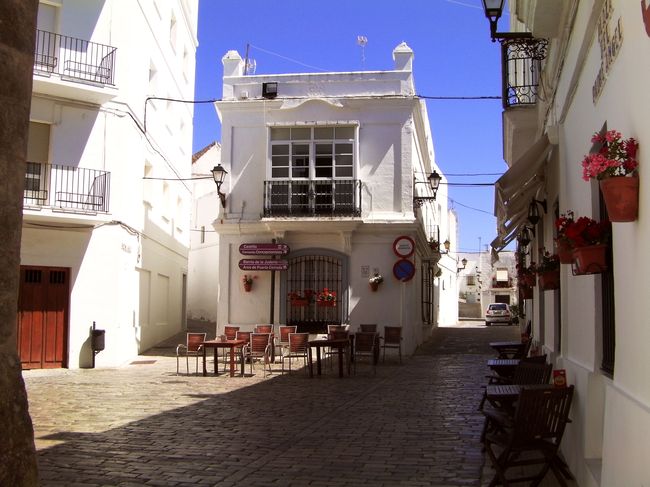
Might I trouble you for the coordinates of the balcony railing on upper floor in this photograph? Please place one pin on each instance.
(74, 59)
(67, 187)
(521, 65)
(336, 197)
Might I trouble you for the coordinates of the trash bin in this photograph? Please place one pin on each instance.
(97, 340)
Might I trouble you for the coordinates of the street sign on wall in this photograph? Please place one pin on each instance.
(404, 270)
(263, 265)
(403, 246)
(263, 249)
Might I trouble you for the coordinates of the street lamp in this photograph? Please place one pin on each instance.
(533, 211)
(219, 174)
(493, 10)
(434, 182)
(464, 262)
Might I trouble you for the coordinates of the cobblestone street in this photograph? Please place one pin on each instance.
(411, 425)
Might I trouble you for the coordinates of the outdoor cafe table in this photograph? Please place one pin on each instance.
(217, 344)
(340, 344)
(505, 367)
(508, 349)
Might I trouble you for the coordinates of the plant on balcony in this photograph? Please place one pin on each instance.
(299, 299)
(326, 298)
(564, 245)
(548, 271)
(589, 239)
(375, 281)
(615, 167)
(247, 280)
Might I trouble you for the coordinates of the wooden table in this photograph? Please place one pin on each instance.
(505, 367)
(339, 344)
(508, 349)
(216, 345)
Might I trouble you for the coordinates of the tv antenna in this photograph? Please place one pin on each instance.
(362, 41)
(250, 65)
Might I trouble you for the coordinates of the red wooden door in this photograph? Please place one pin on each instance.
(43, 316)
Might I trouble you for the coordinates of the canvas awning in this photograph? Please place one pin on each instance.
(516, 188)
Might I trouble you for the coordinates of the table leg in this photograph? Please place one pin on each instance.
(340, 349)
(216, 362)
(309, 362)
(318, 367)
(232, 362)
(205, 370)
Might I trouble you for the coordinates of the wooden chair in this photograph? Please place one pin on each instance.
(372, 328)
(337, 333)
(364, 347)
(230, 333)
(283, 337)
(392, 339)
(192, 347)
(241, 335)
(297, 348)
(532, 436)
(259, 347)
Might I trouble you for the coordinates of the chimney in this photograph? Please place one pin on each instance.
(403, 57)
(233, 64)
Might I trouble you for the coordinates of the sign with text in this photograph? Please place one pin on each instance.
(263, 249)
(263, 265)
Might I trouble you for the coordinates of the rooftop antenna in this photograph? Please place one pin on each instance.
(362, 41)
(250, 65)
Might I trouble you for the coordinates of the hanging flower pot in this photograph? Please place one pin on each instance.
(565, 252)
(550, 280)
(621, 196)
(591, 259)
(528, 280)
(248, 286)
(299, 303)
(374, 286)
(326, 304)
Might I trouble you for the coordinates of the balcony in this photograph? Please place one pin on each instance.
(308, 198)
(69, 188)
(73, 68)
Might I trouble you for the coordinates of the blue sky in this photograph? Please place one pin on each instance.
(454, 56)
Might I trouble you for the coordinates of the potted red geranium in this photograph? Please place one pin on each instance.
(548, 271)
(615, 166)
(590, 239)
(563, 244)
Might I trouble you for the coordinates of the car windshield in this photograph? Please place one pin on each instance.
(499, 306)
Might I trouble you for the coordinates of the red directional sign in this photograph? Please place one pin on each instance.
(263, 249)
(263, 265)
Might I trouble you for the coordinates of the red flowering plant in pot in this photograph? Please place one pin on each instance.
(326, 298)
(563, 244)
(526, 274)
(589, 239)
(548, 270)
(615, 167)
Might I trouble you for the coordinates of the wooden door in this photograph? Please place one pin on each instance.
(43, 302)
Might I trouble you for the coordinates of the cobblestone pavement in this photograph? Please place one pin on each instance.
(414, 424)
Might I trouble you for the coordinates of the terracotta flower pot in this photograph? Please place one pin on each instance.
(248, 286)
(565, 252)
(327, 304)
(621, 196)
(550, 280)
(374, 286)
(299, 303)
(590, 260)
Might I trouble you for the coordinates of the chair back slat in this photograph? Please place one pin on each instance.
(230, 332)
(243, 335)
(532, 373)
(542, 414)
(285, 331)
(263, 328)
(338, 334)
(259, 342)
(298, 342)
(392, 334)
(364, 341)
(194, 341)
(372, 328)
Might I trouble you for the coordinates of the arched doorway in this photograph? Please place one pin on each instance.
(315, 290)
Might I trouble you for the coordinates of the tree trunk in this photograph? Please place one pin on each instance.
(17, 37)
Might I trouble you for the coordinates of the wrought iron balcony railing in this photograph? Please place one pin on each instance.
(332, 197)
(521, 66)
(75, 59)
(55, 186)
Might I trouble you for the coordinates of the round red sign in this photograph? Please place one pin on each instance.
(403, 246)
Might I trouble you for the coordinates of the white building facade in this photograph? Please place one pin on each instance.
(326, 166)
(106, 217)
(592, 78)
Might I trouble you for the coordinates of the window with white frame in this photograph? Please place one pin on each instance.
(312, 152)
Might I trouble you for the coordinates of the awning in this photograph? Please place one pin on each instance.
(516, 188)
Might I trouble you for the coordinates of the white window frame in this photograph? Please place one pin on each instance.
(312, 142)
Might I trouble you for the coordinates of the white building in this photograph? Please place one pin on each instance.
(328, 165)
(593, 76)
(106, 219)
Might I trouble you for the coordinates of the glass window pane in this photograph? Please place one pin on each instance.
(279, 149)
(300, 161)
(300, 149)
(344, 148)
(344, 160)
(280, 133)
(343, 172)
(322, 149)
(322, 161)
(324, 133)
(300, 134)
(345, 132)
(280, 161)
(300, 172)
(280, 172)
(324, 172)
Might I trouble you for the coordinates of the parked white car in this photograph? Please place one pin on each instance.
(498, 313)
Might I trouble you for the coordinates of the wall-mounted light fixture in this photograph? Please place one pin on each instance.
(533, 211)
(464, 262)
(219, 174)
(493, 11)
(524, 238)
(269, 90)
(434, 183)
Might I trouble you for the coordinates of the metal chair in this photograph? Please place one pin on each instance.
(259, 347)
(263, 328)
(532, 436)
(364, 347)
(230, 332)
(283, 337)
(297, 348)
(392, 339)
(193, 347)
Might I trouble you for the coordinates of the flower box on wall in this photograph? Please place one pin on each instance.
(527, 292)
(550, 280)
(591, 259)
(326, 304)
(299, 303)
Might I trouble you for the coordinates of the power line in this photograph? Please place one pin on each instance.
(469, 207)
